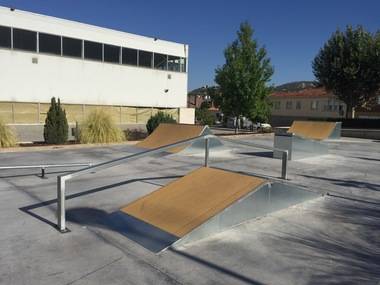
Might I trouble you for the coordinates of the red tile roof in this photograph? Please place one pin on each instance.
(308, 92)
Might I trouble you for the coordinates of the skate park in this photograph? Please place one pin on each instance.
(109, 211)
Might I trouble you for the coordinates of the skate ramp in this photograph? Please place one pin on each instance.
(166, 134)
(202, 203)
(313, 130)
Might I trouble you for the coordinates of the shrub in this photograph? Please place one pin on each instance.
(99, 128)
(204, 116)
(157, 119)
(7, 137)
(56, 127)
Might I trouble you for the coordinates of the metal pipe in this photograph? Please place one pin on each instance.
(43, 172)
(284, 168)
(44, 166)
(207, 151)
(61, 211)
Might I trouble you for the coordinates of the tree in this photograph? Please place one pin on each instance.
(244, 78)
(56, 127)
(155, 120)
(348, 65)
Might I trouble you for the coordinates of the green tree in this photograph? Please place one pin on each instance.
(244, 78)
(348, 65)
(157, 119)
(56, 126)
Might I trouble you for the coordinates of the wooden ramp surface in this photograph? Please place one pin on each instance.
(312, 130)
(186, 203)
(170, 133)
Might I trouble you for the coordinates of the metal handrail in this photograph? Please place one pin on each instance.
(44, 166)
(61, 180)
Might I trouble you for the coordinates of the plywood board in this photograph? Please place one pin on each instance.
(188, 202)
(170, 133)
(312, 130)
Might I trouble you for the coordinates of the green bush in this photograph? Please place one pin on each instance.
(204, 117)
(99, 128)
(56, 127)
(7, 137)
(157, 119)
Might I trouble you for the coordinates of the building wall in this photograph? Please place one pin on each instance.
(36, 77)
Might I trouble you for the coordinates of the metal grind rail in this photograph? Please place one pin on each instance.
(61, 180)
(43, 167)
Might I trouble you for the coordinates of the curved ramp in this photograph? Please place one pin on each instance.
(171, 133)
(204, 202)
(313, 129)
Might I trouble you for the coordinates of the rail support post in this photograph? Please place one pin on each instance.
(61, 211)
(43, 172)
(207, 151)
(284, 169)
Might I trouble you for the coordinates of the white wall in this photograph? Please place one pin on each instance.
(84, 81)
(80, 81)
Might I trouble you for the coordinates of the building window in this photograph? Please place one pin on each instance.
(72, 47)
(289, 105)
(93, 50)
(174, 63)
(277, 105)
(24, 40)
(49, 43)
(111, 53)
(145, 58)
(5, 37)
(183, 64)
(129, 56)
(314, 105)
(298, 105)
(160, 61)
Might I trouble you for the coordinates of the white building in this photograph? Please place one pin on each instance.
(85, 65)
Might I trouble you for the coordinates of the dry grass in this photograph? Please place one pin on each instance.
(99, 128)
(7, 137)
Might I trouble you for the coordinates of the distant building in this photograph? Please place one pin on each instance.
(305, 104)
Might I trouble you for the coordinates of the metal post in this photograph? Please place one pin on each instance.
(61, 212)
(284, 174)
(207, 147)
(43, 172)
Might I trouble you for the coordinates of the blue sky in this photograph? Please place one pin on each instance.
(292, 31)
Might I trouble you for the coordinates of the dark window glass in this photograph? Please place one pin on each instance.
(49, 43)
(93, 50)
(129, 56)
(173, 63)
(145, 58)
(111, 54)
(160, 61)
(72, 47)
(24, 40)
(5, 37)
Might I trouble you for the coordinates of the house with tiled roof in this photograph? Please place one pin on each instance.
(308, 103)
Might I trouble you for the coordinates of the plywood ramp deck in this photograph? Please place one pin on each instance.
(312, 130)
(170, 133)
(186, 203)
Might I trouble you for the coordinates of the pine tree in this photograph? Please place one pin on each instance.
(56, 126)
(244, 78)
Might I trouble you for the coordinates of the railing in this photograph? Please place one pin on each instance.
(43, 167)
(61, 180)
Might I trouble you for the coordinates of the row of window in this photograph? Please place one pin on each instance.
(64, 46)
(314, 105)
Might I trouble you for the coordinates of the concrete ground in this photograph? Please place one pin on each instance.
(332, 239)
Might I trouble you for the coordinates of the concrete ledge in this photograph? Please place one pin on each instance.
(362, 133)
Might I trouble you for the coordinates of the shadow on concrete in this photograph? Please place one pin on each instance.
(28, 209)
(348, 182)
(216, 267)
(349, 259)
(267, 154)
(366, 158)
